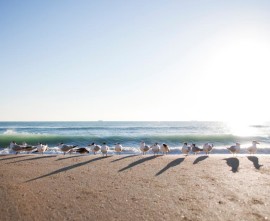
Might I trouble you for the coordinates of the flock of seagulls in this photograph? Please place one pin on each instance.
(156, 148)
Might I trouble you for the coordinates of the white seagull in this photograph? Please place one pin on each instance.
(234, 149)
(186, 149)
(253, 149)
(195, 149)
(165, 148)
(16, 147)
(95, 148)
(144, 148)
(42, 148)
(66, 148)
(104, 149)
(118, 148)
(155, 148)
(207, 148)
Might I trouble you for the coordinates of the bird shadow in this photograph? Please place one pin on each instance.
(124, 158)
(133, 164)
(233, 163)
(16, 157)
(171, 164)
(255, 162)
(198, 159)
(30, 159)
(65, 158)
(67, 168)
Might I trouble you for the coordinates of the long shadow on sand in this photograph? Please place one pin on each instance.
(65, 158)
(233, 163)
(171, 164)
(124, 158)
(15, 157)
(137, 163)
(255, 162)
(67, 168)
(198, 159)
(35, 158)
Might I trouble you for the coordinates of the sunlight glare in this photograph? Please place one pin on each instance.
(233, 77)
(242, 129)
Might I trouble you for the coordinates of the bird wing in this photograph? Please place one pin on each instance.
(96, 148)
(232, 148)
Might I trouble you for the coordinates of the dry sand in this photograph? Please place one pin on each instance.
(77, 187)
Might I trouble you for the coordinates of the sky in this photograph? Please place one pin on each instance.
(134, 60)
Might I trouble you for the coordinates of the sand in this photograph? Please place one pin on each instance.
(127, 187)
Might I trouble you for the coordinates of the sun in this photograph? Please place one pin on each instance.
(233, 77)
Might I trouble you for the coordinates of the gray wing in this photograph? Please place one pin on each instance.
(18, 148)
(232, 148)
(96, 148)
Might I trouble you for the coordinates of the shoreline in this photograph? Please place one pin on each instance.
(174, 151)
(121, 187)
(137, 153)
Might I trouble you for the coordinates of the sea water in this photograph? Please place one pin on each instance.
(130, 134)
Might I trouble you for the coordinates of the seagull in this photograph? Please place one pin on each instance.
(234, 149)
(195, 149)
(66, 148)
(16, 147)
(207, 148)
(95, 148)
(28, 148)
(104, 149)
(155, 148)
(42, 148)
(253, 149)
(165, 148)
(186, 149)
(81, 150)
(144, 148)
(118, 148)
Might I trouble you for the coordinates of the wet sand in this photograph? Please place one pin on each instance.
(127, 187)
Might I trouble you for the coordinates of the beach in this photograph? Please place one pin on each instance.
(134, 187)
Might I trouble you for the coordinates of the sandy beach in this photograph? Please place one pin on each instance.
(128, 187)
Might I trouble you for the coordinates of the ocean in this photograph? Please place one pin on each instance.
(130, 134)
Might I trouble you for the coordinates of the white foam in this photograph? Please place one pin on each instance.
(10, 132)
(14, 132)
(6, 151)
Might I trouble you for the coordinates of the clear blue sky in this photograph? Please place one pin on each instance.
(134, 60)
